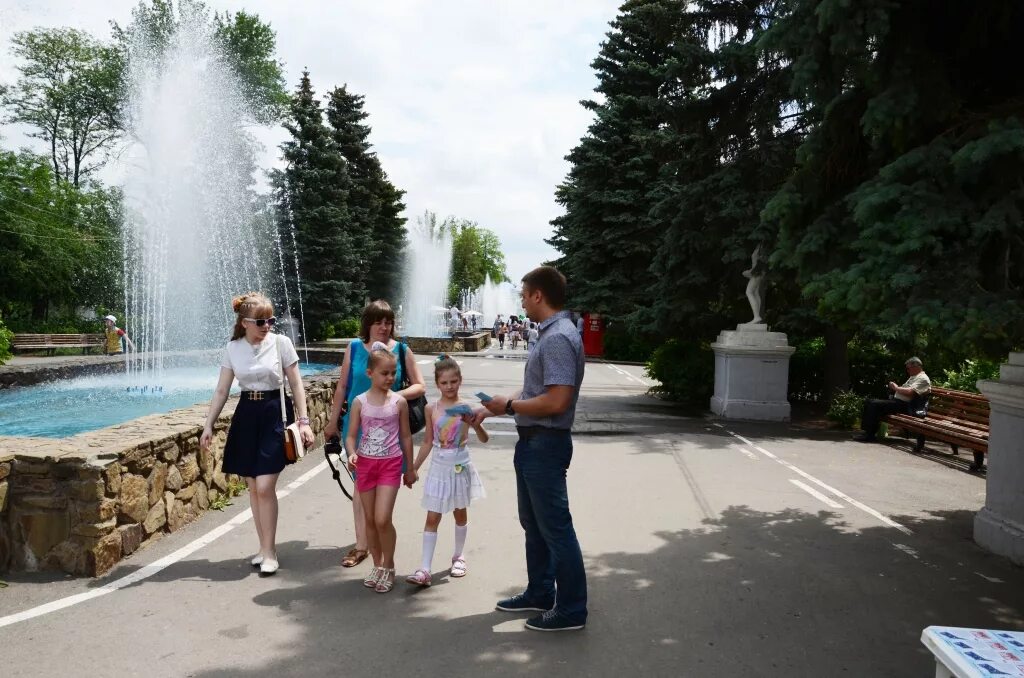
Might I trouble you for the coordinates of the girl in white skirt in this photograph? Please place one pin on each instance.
(452, 482)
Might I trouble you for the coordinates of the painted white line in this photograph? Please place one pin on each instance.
(848, 499)
(503, 433)
(747, 453)
(147, 571)
(817, 495)
(424, 362)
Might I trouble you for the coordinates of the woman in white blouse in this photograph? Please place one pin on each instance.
(255, 443)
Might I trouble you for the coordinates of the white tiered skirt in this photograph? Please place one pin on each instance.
(452, 481)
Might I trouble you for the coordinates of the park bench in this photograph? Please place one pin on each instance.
(51, 342)
(958, 418)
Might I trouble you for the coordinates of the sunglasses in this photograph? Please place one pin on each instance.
(260, 322)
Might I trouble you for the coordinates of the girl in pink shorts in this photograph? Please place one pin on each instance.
(383, 417)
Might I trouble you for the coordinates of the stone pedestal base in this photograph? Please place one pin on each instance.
(999, 527)
(751, 374)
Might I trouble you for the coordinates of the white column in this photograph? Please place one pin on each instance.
(999, 526)
(751, 374)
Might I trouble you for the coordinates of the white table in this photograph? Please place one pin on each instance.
(975, 653)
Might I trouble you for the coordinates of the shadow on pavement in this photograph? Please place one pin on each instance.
(752, 593)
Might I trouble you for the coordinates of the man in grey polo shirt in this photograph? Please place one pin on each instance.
(544, 411)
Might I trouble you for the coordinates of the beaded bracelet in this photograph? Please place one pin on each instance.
(303, 420)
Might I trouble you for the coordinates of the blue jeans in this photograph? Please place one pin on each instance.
(554, 562)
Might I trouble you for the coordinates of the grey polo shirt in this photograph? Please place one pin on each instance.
(556, 360)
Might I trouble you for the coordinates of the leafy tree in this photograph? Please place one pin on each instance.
(476, 256)
(312, 193)
(59, 244)
(606, 236)
(247, 43)
(374, 203)
(67, 91)
(903, 218)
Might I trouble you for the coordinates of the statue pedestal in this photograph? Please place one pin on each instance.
(999, 526)
(751, 374)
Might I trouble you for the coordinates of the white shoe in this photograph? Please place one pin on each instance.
(257, 560)
(268, 566)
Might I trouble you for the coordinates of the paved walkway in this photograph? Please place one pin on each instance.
(733, 549)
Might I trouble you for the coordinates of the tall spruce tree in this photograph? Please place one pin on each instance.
(312, 193)
(374, 203)
(903, 218)
(728, 144)
(606, 237)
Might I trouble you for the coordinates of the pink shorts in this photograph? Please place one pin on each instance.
(374, 471)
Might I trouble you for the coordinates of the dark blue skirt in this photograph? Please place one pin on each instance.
(255, 444)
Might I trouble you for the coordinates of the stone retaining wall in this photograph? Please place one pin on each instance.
(80, 504)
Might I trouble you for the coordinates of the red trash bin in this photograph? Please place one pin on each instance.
(593, 334)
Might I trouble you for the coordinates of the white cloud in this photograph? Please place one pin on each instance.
(473, 104)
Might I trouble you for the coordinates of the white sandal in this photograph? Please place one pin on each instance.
(420, 578)
(458, 567)
(370, 581)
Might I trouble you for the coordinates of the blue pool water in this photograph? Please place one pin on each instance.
(63, 408)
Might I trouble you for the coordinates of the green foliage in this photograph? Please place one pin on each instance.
(312, 203)
(845, 409)
(59, 244)
(223, 499)
(67, 92)
(621, 344)
(346, 329)
(685, 370)
(965, 376)
(5, 342)
(374, 203)
(476, 257)
(872, 365)
(246, 42)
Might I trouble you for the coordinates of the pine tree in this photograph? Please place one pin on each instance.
(606, 237)
(374, 203)
(312, 193)
(903, 218)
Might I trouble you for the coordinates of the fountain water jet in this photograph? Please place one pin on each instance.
(428, 260)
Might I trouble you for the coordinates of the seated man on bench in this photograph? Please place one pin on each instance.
(905, 399)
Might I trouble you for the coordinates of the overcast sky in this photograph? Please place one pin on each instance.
(473, 104)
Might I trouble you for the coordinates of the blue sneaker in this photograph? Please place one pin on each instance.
(520, 603)
(553, 620)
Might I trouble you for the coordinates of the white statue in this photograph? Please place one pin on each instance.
(755, 288)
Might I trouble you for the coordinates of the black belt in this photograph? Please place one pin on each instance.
(261, 395)
(530, 431)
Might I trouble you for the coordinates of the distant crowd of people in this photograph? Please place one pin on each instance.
(516, 329)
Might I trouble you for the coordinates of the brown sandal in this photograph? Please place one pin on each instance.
(354, 557)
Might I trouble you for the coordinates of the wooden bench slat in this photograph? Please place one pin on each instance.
(955, 417)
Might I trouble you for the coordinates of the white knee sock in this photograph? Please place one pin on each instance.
(429, 542)
(460, 539)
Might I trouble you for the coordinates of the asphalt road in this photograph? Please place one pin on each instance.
(712, 548)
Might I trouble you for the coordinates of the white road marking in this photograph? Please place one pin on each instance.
(747, 453)
(424, 362)
(148, 571)
(503, 433)
(817, 495)
(848, 499)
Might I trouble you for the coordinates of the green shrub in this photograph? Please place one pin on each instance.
(965, 376)
(348, 328)
(68, 324)
(685, 370)
(845, 409)
(5, 342)
(620, 344)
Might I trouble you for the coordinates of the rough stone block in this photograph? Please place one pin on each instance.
(190, 445)
(131, 538)
(168, 451)
(156, 518)
(62, 471)
(33, 485)
(95, 511)
(157, 479)
(26, 468)
(175, 514)
(220, 481)
(95, 529)
(5, 469)
(185, 494)
(202, 496)
(112, 476)
(86, 490)
(68, 556)
(189, 469)
(104, 554)
(207, 463)
(173, 480)
(43, 531)
(44, 501)
(134, 498)
(138, 459)
(3, 496)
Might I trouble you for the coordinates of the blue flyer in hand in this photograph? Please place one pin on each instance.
(459, 410)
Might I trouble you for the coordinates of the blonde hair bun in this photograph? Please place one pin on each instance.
(236, 303)
(378, 346)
